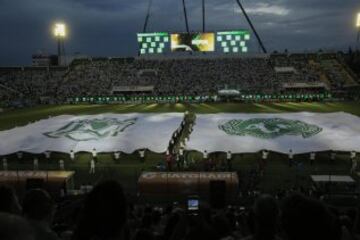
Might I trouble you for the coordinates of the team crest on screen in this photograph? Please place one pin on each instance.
(269, 128)
(93, 129)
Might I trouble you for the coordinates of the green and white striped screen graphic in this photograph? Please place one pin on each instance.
(233, 41)
(153, 43)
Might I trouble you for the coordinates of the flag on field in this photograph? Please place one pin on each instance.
(302, 132)
(105, 133)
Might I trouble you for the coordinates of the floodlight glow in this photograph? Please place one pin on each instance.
(358, 21)
(60, 30)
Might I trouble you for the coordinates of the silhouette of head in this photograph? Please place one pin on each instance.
(38, 205)
(15, 228)
(265, 217)
(104, 213)
(8, 201)
(304, 218)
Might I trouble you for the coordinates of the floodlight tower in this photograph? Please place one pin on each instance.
(59, 32)
(358, 28)
(203, 15)
(252, 26)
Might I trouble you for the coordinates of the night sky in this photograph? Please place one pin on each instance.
(109, 27)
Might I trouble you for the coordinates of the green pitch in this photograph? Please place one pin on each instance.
(129, 167)
(12, 118)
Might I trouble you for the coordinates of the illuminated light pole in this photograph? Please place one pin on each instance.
(59, 32)
(358, 29)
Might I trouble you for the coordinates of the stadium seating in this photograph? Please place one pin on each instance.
(175, 76)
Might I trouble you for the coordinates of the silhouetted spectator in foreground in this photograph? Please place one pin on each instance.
(144, 234)
(304, 218)
(104, 213)
(193, 227)
(14, 227)
(8, 201)
(221, 226)
(265, 219)
(39, 208)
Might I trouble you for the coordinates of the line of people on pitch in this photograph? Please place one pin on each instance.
(178, 156)
(182, 162)
(210, 164)
(20, 155)
(116, 155)
(47, 154)
(332, 156)
(312, 157)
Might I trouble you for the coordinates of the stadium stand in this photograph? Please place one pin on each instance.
(30, 85)
(179, 76)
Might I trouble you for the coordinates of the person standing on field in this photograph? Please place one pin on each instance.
(312, 158)
(5, 164)
(228, 160)
(72, 155)
(92, 166)
(61, 165)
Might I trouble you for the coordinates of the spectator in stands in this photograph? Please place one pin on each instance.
(104, 213)
(39, 208)
(14, 227)
(8, 201)
(304, 218)
(265, 219)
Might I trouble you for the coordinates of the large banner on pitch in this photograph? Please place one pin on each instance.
(302, 132)
(105, 133)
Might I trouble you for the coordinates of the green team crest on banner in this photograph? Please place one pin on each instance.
(269, 128)
(94, 129)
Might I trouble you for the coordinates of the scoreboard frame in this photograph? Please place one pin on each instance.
(231, 41)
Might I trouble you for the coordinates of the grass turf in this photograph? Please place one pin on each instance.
(12, 118)
(127, 170)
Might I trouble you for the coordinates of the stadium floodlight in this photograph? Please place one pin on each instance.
(358, 27)
(60, 30)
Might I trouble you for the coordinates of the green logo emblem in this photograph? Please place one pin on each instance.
(269, 128)
(94, 129)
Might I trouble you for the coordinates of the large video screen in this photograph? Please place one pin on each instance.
(233, 41)
(192, 42)
(151, 43)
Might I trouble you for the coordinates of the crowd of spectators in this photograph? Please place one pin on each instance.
(30, 86)
(304, 69)
(197, 76)
(174, 77)
(106, 213)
